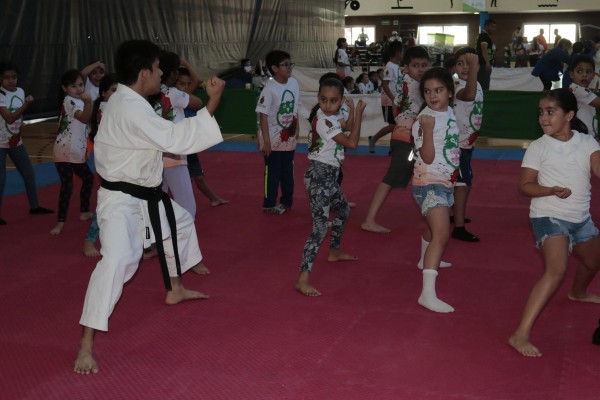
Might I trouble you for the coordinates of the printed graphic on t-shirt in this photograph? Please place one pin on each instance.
(475, 120)
(404, 102)
(450, 146)
(286, 118)
(14, 104)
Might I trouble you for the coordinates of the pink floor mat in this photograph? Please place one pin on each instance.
(257, 338)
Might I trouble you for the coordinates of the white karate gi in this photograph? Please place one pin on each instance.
(128, 148)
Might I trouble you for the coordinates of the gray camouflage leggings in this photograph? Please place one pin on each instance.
(324, 193)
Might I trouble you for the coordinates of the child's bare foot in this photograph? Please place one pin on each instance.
(89, 249)
(586, 298)
(179, 294)
(149, 253)
(219, 202)
(337, 255)
(307, 289)
(85, 216)
(524, 346)
(201, 269)
(57, 229)
(374, 227)
(85, 363)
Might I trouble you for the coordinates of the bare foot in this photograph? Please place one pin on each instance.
(307, 289)
(86, 216)
(219, 202)
(586, 298)
(179, 294)
(84, 363)
(351, 204)
(89, 249)
(57, 229)
(201, 269)
(337, 255)
(149, 253)
(524, 346)
(374, 227)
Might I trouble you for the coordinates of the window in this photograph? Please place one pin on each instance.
(352, 34)
(566, 31)
(460, 32)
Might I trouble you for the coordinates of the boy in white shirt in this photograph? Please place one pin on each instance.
(278, 114)
(468, 109)
(581, 71)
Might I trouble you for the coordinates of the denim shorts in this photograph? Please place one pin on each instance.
(580, 232)
(433, 196)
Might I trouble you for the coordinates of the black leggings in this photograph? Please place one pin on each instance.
(65, 172)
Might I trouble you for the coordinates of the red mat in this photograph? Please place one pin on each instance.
(256, 338)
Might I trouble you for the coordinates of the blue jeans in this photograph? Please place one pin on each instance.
(279, 170)
(20, 158)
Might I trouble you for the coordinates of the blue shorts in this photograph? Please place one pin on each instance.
(580, 232)
(433, 196)
(465, 176)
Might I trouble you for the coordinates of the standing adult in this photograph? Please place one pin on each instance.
(485, 51)
(395, 37)
(128, 154)
(557, 37)
(542, 40)
(517, 33)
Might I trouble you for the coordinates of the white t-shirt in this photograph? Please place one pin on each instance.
(172, 104)
(93, 91)
(469, 115)
(171, 107)
(391, 74)
(586, 113)
(280, 102)
(366, 88)
(564, 164)
(409, 102)
(10, 134)
(444, 168)
(321, 146)
(71, 141)
(342, 57)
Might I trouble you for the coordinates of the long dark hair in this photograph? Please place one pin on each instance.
(439, 73)
(105, 83)
(567, 101)
(67, 79)
(330, 79)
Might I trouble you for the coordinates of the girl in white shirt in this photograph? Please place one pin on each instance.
(435, 133)
(560, 215)
(69, 152)
(326, 143)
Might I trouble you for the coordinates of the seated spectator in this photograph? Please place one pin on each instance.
(364, 84)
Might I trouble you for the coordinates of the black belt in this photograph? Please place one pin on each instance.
(153, 196)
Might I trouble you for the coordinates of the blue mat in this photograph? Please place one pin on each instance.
(45, 173)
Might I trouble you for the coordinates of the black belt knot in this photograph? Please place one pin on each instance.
(153, 196)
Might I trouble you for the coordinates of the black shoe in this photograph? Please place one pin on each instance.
(3, 222)
(371, 145)
(464, 235)
(467, 220)
(40, 210)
